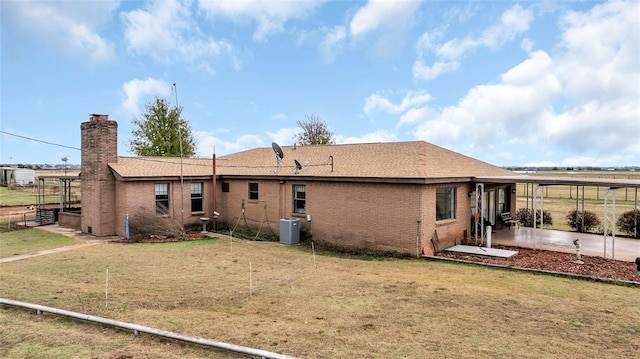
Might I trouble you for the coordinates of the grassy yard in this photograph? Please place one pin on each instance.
(18, 197)
(31, 240)
(339, 308)
(24, 196)
(559, 208)
(560, 200)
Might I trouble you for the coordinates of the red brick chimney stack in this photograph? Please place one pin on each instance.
(99, 137)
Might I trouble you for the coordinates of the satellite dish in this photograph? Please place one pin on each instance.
(279, 155)
(298, 166)
(277, 150)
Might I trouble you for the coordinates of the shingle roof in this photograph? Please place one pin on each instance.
(157, 167)
(392, 160)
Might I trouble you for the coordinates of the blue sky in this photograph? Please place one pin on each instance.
(510, 83)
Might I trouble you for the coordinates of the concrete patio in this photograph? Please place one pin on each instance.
(626, 249)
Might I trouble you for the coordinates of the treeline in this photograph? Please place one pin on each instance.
(573, 169)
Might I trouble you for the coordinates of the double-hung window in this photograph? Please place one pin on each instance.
(196, 197)
(445, 203)
(299, 198)
(162, 198)
(253, 191)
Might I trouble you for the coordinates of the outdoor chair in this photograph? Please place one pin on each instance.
(506, 219)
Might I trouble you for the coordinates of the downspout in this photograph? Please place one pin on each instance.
(419, 249)
(213, 193)
(635, 215)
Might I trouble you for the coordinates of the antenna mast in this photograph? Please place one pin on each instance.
(175, 91)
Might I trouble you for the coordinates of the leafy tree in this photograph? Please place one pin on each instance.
(158, 132)
(314, 131)
(629, 222)
(576, 218)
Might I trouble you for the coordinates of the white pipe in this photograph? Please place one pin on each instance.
(488, 236)
(140, 328)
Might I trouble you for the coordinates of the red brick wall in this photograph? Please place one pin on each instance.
(449, 232)
(371, 215)
(399, 217)
(139, 196)
(268, 207)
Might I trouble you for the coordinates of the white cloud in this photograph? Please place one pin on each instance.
(382, 13)
(372, 137)
(415, 115)
(425, 72)
(227, 144)
(604, 127)
(206, 142)
(513, 22)
(279, 116)
(600, 161)
(526, 44)
(137, 90)
(270, 16)
(514, 106)
(541, 164)
(284, 136)
(69, 27)
(579, 100)
(331, 43)
(166, 31)
(602, 52)
(377, 102)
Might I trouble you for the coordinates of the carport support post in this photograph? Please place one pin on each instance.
(61, 191)
(610, 220)
(635, 215)
(537, 235)
(479, 214)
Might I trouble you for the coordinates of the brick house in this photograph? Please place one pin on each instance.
(384, 196)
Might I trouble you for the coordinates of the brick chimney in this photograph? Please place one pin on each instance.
(98, 186)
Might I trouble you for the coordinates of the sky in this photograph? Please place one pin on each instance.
(529, 83)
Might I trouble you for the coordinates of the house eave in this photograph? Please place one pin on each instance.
(388, 180)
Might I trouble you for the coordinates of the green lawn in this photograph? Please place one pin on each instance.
(24, 196)
(17, 197)
(31, 240)
(337, 308)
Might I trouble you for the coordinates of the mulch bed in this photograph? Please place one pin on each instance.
(161, 239)
(544, 260)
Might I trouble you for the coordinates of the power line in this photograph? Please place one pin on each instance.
(37, 140)
(158, 160)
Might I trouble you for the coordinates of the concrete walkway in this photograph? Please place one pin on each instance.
(624, 249)
(54, 228)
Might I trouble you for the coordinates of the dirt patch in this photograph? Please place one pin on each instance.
(545, 260)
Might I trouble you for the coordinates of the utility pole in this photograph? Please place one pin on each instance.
(65, 159)
(175, 89)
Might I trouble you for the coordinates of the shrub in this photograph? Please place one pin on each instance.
(145, 222)
(582, 221)
(629, 223)
(525, 217)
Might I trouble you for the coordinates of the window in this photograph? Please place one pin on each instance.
(225, 186)
(445, 203)
(253, 191)
(162, 198)
(196, 197)
(299, 200)
(501, 200)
